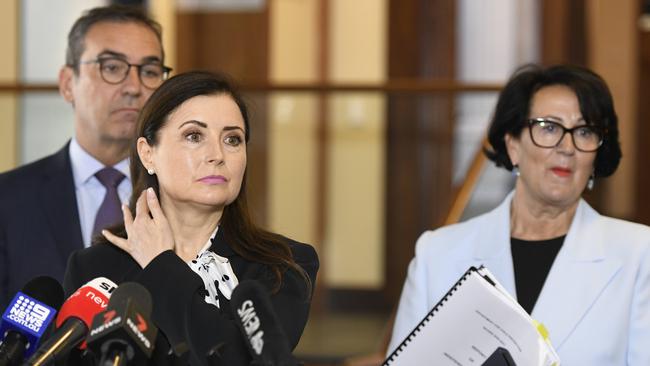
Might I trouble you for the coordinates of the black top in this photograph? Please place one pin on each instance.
(532, 260)
(185, 321)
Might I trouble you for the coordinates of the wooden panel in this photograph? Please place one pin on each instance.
(235, 43)
(419, 130)
(563, 30)
(643, 129)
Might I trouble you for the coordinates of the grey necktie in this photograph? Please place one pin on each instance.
(109, 212)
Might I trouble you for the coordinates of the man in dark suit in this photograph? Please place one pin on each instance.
(54, 206)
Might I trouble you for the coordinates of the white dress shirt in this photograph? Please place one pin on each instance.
(89, 190)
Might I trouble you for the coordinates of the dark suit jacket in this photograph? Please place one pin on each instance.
(39, 222)
(183, 317)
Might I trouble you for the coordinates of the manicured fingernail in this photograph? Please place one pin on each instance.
(104, 232)
(151, 193)
(123, 207)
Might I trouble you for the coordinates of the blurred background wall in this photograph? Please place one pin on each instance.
(368, 116)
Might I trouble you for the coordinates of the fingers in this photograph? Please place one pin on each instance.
(141, 208)
(116, 240)
(128, 218)
(154, 205)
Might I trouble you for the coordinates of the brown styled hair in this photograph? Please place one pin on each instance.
(240, 232)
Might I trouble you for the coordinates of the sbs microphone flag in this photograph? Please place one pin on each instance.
(260, 326)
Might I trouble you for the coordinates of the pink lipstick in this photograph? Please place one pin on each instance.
(213, 179)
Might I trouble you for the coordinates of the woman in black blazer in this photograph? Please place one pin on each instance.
(187, 236)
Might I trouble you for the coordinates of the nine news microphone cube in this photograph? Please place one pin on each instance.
(29, 317)
(122, 326)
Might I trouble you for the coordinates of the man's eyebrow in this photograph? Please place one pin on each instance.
(195, 122)
(151, 60)
(111, 53)
(120, 55)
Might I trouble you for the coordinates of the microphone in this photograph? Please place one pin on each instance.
(124, 334)
(73, 321)
(260, 326)
(500, 357)
(27, 318)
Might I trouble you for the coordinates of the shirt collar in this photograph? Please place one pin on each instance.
(219, 246)
(208, 244)
(84, 165)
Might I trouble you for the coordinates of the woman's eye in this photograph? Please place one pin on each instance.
(233, 140)
(549, 127)
(585, 132)
(193, 137)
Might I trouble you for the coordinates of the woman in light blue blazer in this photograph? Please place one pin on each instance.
(585, 276)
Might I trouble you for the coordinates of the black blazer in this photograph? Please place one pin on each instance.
(184, 319)
(39, 222)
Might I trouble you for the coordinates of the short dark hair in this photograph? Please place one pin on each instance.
(596, 105)
(112, 13)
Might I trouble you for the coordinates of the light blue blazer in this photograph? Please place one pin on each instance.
(595, 302)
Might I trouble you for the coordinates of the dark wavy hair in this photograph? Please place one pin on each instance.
(596, 105)
(109, 14)
(240, 232)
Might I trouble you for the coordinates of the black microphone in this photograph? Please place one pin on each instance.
(260, 326)
(73, 321)
(27, 317)
(500, 357)
(214, 355)
(124, 334)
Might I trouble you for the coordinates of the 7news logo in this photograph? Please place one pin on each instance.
(28, 313)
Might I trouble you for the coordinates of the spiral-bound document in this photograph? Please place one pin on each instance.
(474, 318)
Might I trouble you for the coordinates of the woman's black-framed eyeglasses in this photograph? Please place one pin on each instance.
(547, 133)
(115, 70)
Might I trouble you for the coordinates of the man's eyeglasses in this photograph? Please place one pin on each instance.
(548, 134)
(115, 70)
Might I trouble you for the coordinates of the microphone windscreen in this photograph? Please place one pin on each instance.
(135, 292)
(45, 289)
(260, 325)
(28, 316)
(125, 327)
(87, 301)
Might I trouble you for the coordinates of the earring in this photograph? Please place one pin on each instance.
(590, 183)
(515, 170)
(151, 171)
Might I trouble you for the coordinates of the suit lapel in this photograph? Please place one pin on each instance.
(578, 276)
(59, 202)
(492, 247)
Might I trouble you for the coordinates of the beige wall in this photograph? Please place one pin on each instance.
(292, 170)
(292, 142)
(352, 251)
(358, 31)
(293, 40)
(8, 75)
(354, 240)
(164, 12)
(614, 54)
